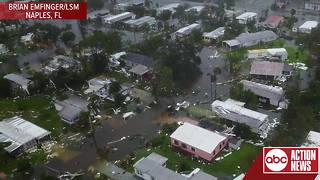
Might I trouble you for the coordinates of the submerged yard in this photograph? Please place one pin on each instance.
(233, 164)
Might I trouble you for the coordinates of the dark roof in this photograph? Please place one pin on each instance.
(140, 59)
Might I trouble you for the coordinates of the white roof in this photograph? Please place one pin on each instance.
(198, 137)
(309, 25)
(19, 131)
(118, 55)
(234, 107)
(215, 33)
(18, 79)
(118, 17)
(27, 37)
(313, 139)
(188, 28)
(246, 15)
(272, 92)
(169, 7)
(195, 8)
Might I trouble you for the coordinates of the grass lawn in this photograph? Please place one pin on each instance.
(36, 109)
(296, 55)
(236, 163)
(120, 77)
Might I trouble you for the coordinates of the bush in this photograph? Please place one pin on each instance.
(169, 128)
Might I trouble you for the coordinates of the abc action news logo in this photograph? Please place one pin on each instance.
(295, 160)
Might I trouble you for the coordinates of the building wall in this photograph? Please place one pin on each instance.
(197, 152)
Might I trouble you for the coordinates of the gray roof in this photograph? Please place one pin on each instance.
(19, 132)
(215, 33)
(71, 108)
(139, 59)
(271, 92)
(256, 37)
(139, 70)
(18, 79)
(152, 165)
(267, 68)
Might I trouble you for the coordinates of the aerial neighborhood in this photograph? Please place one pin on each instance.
(158, 90)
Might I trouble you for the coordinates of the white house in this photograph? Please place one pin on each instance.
(236, 112)
(22, 134)
(246, 17)
(196, 9)
(308, 26)
(139, 23)
(119, 17)
(186, 31)
(19, 82)
(169, 7)
(272, 94)
(280, 53)
(214, 35)
(198, 141)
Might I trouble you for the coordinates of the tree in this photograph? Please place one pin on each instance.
(139, 11)
(114, 88)
(5, 87)
(84, 119)
(99, 62)
(181, 56)
(163, 83)
(165, 15)
(41, 82)
(243, 131)
(238, 93)
(68, 37)
(118, 100)
(110, 42)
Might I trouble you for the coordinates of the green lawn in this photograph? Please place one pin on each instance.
(223, 168)
(296, 55)
(36, 109)
(120, 77)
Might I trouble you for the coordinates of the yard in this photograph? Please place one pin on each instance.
(234, 164)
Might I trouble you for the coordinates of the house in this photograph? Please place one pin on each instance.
(62, 62)
(119, 17)
(133, 59)
(313, 5)
(270, 94)
(269, 70)
(196, 9)
(3, 49)
(250, 39)
(154, 167)
(214, 35)
(19, 82)
(22, 135)
(236, 112)
(247, 17)
(141, 22)
(186, 31)
(141, 72)
(273, 53)
(169, 7)
(198, 141)
(27, 39)
(123, 5)
(70, 109)
(308, 26)
(273, 21)
(312, 140)
(95, 84)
